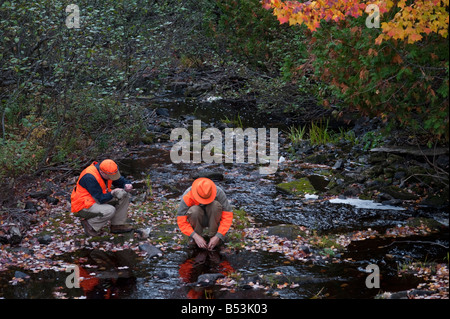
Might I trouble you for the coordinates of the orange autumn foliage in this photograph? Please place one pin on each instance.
(411, 21)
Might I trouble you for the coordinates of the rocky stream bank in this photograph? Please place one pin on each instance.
(307, 231)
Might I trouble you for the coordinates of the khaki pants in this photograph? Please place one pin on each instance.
(115, 210)
(205, 216)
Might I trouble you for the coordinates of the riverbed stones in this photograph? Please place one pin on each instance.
(213, 175)
(405, 294)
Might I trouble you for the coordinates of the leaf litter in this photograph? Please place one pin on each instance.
(67, 236)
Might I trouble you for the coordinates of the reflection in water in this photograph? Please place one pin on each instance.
(201, 262)
(107, 275)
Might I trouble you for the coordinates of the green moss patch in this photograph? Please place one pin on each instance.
(298, 187)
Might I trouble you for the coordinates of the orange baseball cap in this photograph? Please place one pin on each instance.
(204, 190)
(110, 168)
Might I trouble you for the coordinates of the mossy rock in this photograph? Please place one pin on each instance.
(416, 170)
(428, 222)
(389, 172)
(165, 124)
(319, 158)
(367, 195)
(394, 158)
(336, 184)
(375, 170)
(377, 157)
(164, 137)
(399, 193)
(437, 200)
(148, 138)
(298, 187)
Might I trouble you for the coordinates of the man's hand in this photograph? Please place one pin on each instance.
(213, 242)
(128, 187)
(201, 243)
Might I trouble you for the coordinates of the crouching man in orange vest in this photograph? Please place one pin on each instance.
(93, 200)
(204, 205)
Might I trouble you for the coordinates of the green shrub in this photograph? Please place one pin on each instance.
(406, 85)
(18, 157)
(254, 36)
(61, 88)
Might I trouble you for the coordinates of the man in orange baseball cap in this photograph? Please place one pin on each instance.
(93, 200)
(205, 204)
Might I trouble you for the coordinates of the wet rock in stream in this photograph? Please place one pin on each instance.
(207, 279)
(151, 250)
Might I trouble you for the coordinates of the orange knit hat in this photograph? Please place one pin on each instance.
(204, 190)
(110, 168)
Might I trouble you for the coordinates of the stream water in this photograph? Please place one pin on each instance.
(121, 274)
(256, 195)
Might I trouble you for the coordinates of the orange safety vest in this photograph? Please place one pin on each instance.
(81, 198)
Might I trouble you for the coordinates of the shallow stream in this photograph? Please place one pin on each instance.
(256, 274)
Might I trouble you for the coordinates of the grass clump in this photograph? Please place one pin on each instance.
(319, 133)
